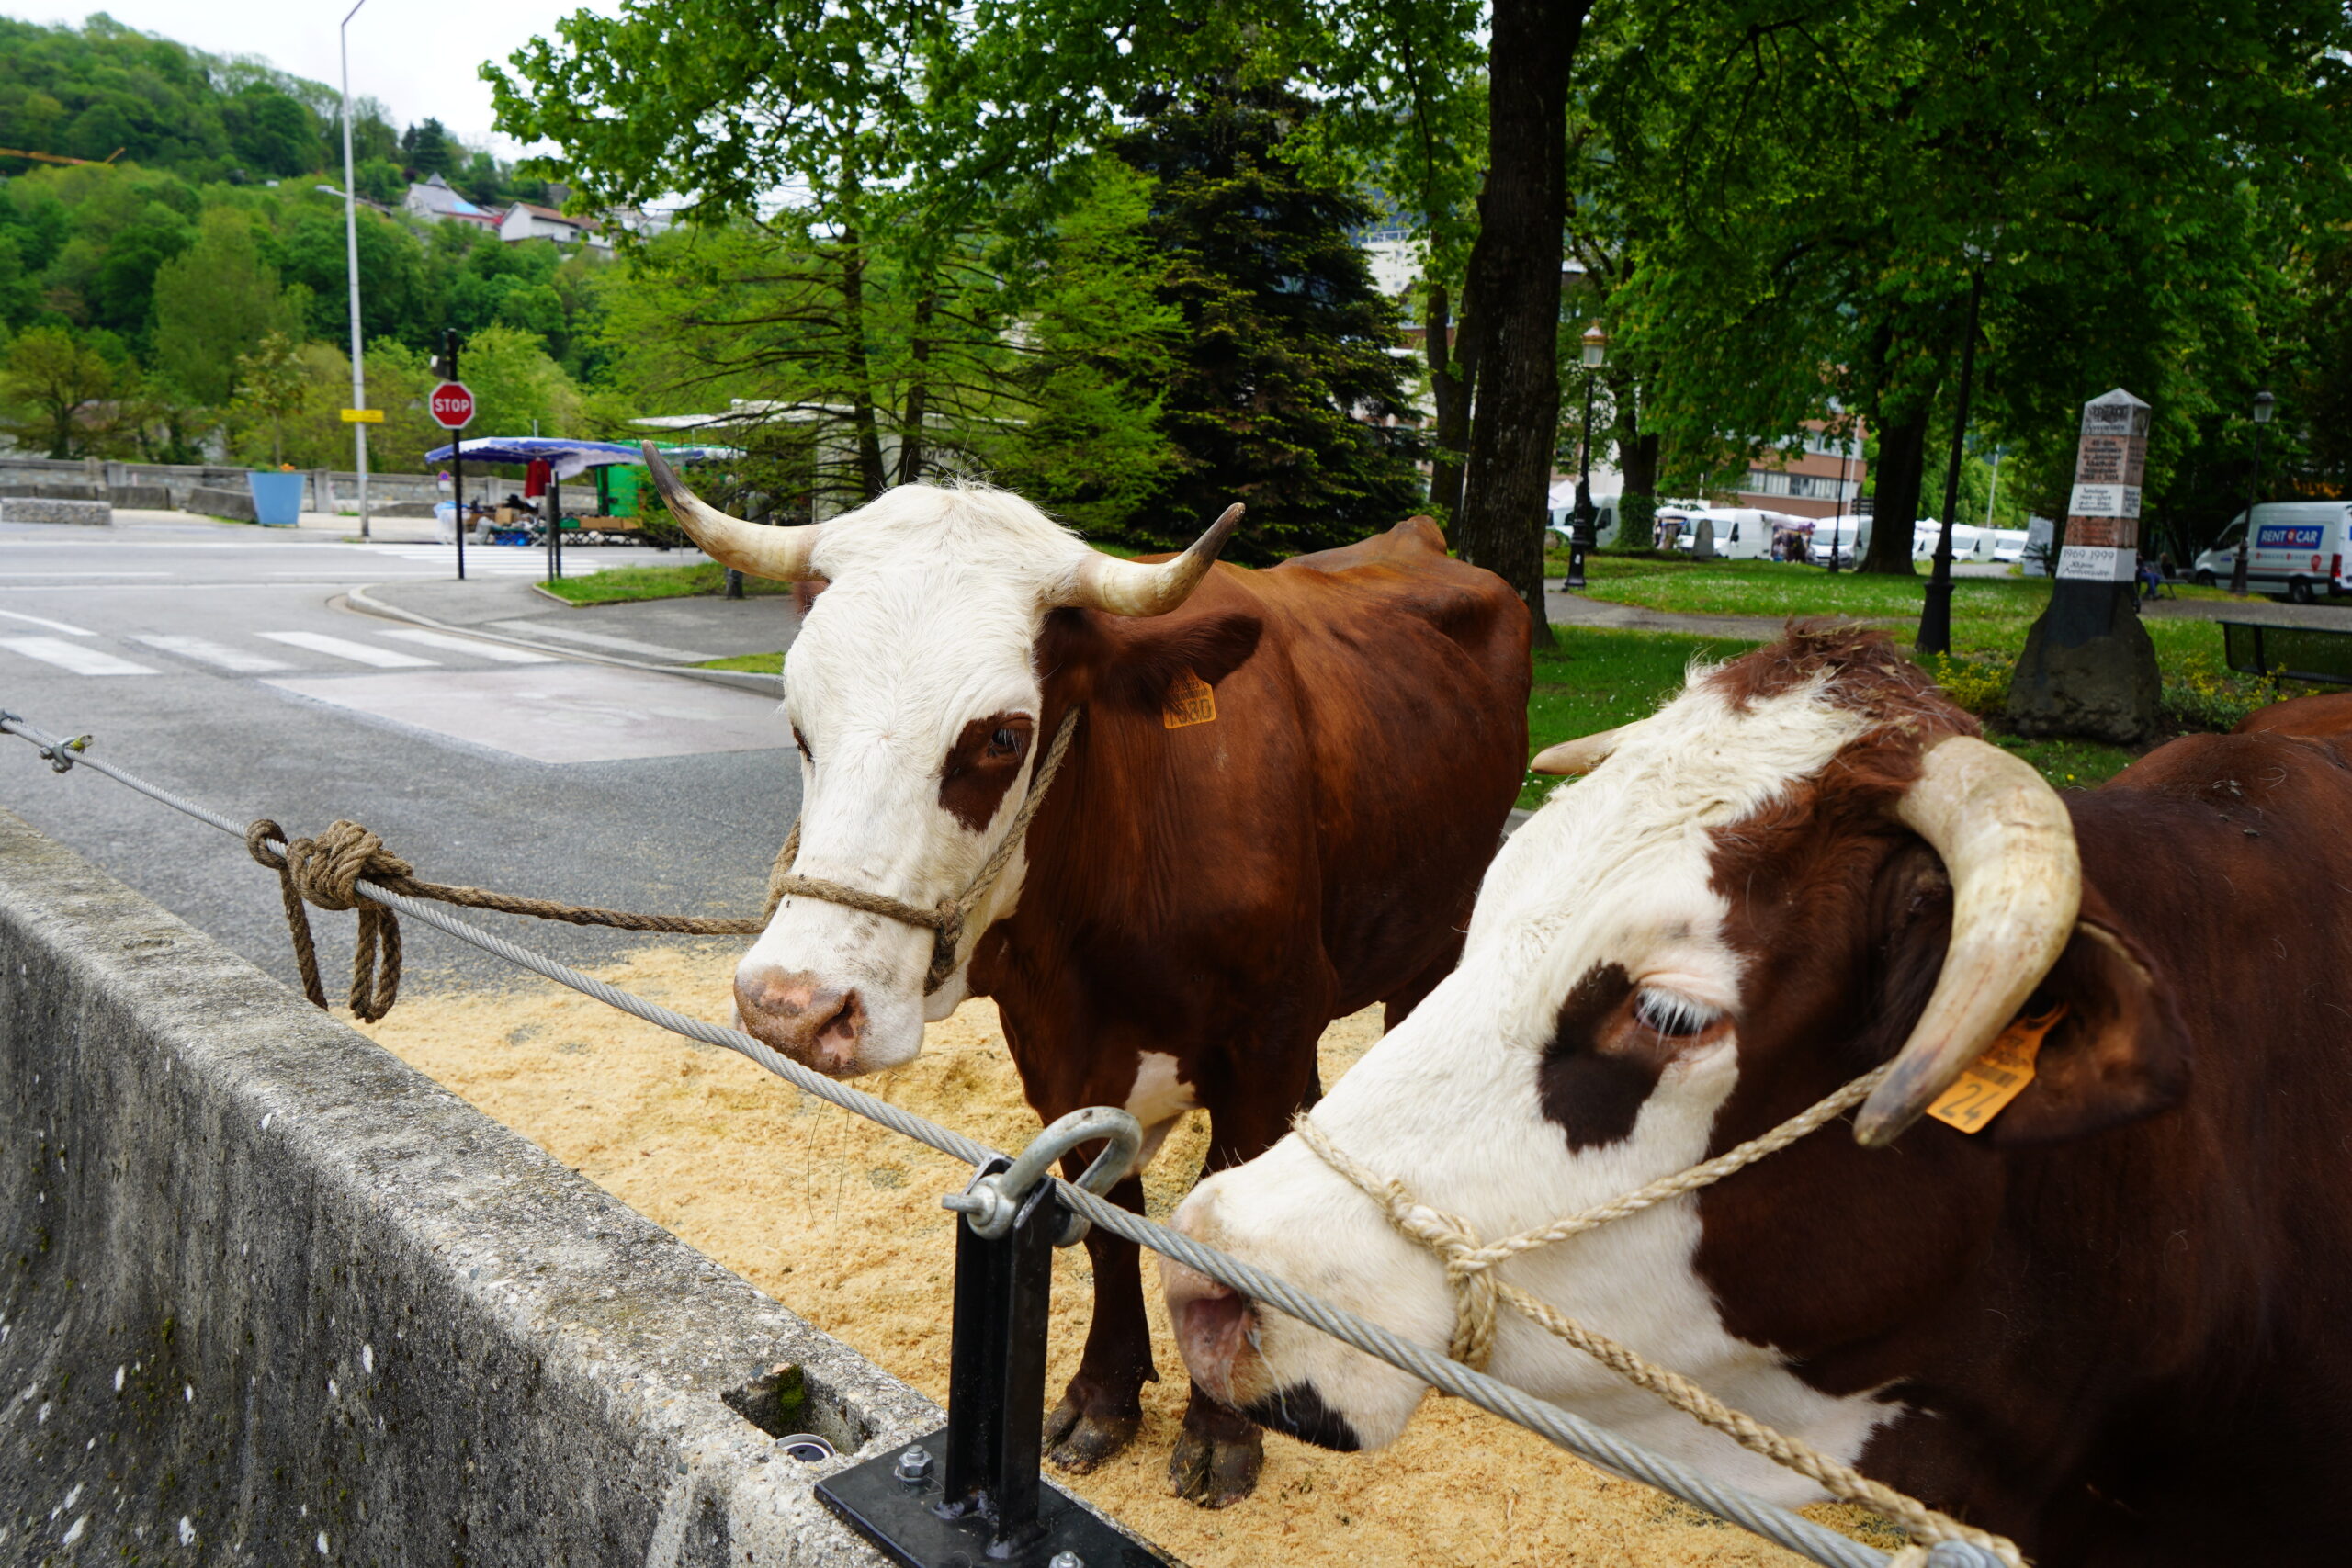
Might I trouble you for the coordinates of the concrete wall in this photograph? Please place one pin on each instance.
(268, 1296)
(140, 484)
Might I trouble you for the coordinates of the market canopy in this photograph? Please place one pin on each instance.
(569, 460)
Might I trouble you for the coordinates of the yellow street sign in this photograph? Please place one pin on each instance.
(363, 416)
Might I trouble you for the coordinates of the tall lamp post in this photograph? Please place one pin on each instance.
(351, 256)
(2265, 405)
(1581, 535)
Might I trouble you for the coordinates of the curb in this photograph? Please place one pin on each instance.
(740, 680)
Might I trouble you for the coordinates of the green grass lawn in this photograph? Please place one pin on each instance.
(757, 664)
(629, 584)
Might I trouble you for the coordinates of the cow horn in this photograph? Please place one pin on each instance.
(2016, 885)
(1581, 755)
(782, 553)
(1131, 588)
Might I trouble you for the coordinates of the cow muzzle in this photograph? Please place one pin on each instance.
(817, 1026)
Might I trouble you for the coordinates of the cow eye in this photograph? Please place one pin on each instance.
(1672, 1016)
(1003, 743)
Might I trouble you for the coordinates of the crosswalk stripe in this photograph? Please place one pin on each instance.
(78, 657)
(358, 652)
(475, 645)
(204, 650)
(44, 621)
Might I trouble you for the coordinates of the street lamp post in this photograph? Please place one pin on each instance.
(351, 257)
(2264, 406)
(1580, 533)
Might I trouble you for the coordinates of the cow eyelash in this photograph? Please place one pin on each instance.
(802, 741)
(1672, 1016)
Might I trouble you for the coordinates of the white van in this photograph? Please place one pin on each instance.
(2302, 549)
(1969, 543)
(1742, 533)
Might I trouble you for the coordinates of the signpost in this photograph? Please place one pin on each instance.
(2088, 667)
(452, 405)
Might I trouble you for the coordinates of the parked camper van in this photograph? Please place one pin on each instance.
(2300, 549)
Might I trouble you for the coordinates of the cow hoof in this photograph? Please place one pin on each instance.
(1078, 1442)
(1216, 1471)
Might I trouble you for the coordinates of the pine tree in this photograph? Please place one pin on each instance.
(1283, 394)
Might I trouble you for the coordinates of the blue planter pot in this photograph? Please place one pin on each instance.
(278, 497)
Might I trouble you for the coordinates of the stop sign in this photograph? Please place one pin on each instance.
(452, 405)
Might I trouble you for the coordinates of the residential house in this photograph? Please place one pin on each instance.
(433, 200)
(1823, 480)
(527, 221)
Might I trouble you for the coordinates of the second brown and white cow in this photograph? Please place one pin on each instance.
(2111, 1325)
(1275, 809)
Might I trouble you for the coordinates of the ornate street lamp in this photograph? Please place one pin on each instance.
(2265, 405)
(1581, 521)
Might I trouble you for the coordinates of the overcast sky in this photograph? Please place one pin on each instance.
(418, 56)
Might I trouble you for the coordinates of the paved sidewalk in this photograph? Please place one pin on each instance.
(659, 632)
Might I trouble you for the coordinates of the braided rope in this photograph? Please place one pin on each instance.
(326, 871)
(1470, 1271)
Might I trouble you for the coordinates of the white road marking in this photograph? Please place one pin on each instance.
(78, 657)
(52, 626)
(358, 652)
(204, 650)
(475, 645)
(600, 639)
(12, 573)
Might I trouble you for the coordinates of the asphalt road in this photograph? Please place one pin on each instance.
(220, 662)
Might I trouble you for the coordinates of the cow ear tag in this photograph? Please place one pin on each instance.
(1997, 1076)
(1190, 700)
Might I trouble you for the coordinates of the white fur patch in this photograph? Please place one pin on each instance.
(1614, 870)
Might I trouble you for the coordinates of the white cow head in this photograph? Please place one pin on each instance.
(1688, 924)
(917, 706)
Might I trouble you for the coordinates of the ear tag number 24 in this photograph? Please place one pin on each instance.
(1997, 1076)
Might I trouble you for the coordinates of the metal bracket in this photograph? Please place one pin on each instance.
(970, 1496)
(990, 1202)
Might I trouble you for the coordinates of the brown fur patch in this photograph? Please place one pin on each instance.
(978, 770)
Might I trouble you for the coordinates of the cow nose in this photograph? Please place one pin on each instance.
(1213, 1325)
(810, 1021)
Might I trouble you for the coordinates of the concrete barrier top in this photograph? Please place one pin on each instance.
(268, 1295)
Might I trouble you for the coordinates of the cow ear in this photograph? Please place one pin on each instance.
(2119, 1054)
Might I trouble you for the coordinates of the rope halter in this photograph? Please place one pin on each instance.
(948, 918)
(1470, 1265)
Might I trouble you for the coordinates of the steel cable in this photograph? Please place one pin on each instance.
(1577, 1436)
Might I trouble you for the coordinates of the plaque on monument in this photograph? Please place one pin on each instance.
(2105, 500)
(2112, 460)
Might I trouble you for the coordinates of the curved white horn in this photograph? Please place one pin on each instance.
(2016, 884)
(1131, 588)
(754, 547)
(1581, 755)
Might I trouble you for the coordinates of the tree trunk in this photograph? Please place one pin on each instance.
(1637, 459)
(1515, 288)
(1902, 462)
(910, 439)
(871, 481)
(1450, 389)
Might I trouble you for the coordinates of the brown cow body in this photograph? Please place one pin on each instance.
(1217, 893)
(2109, 1325)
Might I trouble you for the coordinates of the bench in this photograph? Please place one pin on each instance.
(2299, 653)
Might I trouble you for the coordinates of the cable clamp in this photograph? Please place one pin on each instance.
(990, 1202)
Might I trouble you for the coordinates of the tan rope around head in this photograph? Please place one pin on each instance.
(947, 918)
(1470, 1270)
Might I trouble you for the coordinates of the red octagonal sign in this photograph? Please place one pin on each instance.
(452, 405)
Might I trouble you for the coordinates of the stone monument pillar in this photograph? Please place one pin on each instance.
(2088, 667)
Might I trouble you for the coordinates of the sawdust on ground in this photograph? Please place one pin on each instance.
(840, 1221)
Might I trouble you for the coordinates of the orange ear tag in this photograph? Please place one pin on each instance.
(1997, 1076)
(1190, 700)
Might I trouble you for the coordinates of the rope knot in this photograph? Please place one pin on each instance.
(327, 869)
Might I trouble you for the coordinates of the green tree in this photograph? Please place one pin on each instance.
(428, 148)
(516, 386)
(271, 382)
(52, 383)
(270, 131)
(1285, 394)
(216, 301)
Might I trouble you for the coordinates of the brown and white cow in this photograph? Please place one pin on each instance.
(1196, 896)
(2111, 1325)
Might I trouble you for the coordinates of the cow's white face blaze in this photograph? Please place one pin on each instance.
(912, 693)
(1583, 1048)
